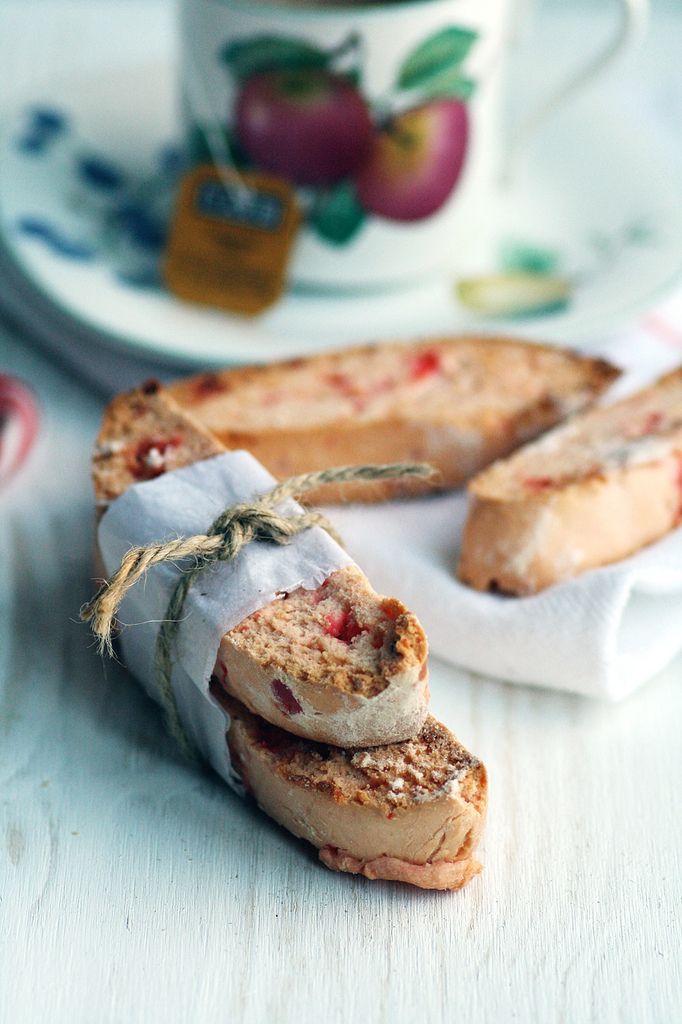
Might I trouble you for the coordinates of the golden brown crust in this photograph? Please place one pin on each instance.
(138, 424)
(589, 494)
(425, 765)
(410, 812)
(476, 400)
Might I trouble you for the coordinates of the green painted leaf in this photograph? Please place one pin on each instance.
(337, 214)
(247, 57)
(449, 85)
(516, 255)
(439, 53)
(639, 232)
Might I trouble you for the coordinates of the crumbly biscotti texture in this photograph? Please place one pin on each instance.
(145, 434)
(587, 494)
(340, 664)
(458, 403)
(410, 812)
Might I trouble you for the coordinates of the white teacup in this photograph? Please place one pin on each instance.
(384, 116)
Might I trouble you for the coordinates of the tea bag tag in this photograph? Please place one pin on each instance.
(231, 238)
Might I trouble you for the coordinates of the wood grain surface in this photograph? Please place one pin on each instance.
(134, 888)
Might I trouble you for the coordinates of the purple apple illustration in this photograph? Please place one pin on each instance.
(307, 125)
(414, 164)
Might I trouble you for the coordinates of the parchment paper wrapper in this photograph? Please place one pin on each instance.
(183, 503)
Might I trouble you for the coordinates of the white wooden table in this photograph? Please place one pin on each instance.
(136, 888)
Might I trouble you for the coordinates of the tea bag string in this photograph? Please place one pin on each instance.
(232, 530)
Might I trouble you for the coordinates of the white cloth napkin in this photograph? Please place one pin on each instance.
(602, 634)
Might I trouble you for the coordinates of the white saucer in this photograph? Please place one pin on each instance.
(606, 205)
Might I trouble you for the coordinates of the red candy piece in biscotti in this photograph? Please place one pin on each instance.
(650, 425)
(538, 483)
(426, 364)
(341, 383)
(285, 698)
(209, 384)
(149, 458)
(342, 625)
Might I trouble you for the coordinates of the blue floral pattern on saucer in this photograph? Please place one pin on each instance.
(87, 193)
(117, 215)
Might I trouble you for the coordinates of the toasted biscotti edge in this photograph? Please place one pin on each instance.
(147, 420)
(343, 715)
(523, 542)
(524, 547)
(428, 842)
(451, 450)
(461, 830)
(132, 422)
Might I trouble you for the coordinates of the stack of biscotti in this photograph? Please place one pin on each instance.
(327, 692)
(585, 495)
(457, 403)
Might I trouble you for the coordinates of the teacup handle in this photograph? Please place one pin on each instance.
(634, 15)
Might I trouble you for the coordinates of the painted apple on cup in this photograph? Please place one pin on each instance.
(415, 163)
(300, 112)
(308, 125)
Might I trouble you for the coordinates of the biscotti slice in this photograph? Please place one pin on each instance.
(458, 403)
(340, 664)
(409, 812)
(587, 494)
(144, 434)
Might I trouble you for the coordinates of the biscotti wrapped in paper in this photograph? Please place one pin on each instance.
(275, 625)
(410, 811)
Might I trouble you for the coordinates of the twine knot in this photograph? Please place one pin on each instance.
(232, 530)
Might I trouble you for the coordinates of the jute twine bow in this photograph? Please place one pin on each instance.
(231, 531)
